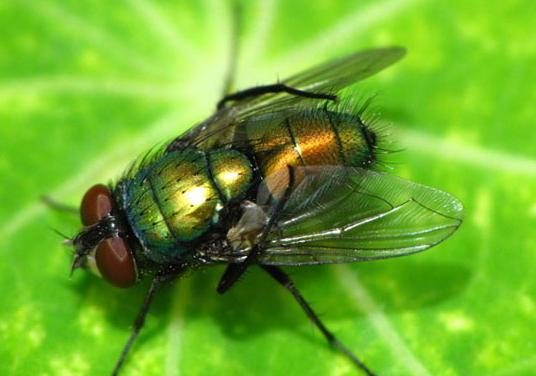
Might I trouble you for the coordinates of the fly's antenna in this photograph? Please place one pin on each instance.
(67, 240)
(236, 20)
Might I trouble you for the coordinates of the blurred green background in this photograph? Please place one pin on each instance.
(85, 86)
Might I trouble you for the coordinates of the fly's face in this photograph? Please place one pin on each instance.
(101, 245)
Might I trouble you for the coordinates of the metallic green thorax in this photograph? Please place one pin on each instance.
(178, 197)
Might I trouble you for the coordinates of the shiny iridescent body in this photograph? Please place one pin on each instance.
(279, 175)
(172, 202)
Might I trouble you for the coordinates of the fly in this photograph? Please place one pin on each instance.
(279, 175)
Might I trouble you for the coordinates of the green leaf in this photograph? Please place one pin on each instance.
(87, 86)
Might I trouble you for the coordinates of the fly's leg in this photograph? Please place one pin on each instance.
(156, 283)
(272, 89)
(259, 90)
(234, 48)
(283, 279)
(233, 272)
(138, 324)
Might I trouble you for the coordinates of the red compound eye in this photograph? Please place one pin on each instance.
(115, 262)
(96, 204)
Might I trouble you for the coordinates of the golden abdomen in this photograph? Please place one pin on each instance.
(309, 138)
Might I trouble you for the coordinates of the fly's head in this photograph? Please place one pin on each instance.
(101, 245)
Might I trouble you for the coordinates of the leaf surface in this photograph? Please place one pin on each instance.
(87, 86)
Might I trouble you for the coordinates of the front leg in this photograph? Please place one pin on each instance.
(232, 274)
(158, 280)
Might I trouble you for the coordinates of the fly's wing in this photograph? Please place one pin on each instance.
(344, 214)
(329, 77)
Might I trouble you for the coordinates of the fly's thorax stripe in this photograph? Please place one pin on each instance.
(223, 198)
(146, 219)
(231, 173)
(185, 193)
(172, 202)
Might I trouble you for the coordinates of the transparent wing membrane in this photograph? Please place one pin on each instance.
(344, 214)
(336, 74)
(329, 77)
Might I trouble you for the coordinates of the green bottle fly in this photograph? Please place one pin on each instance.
(279, 175)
